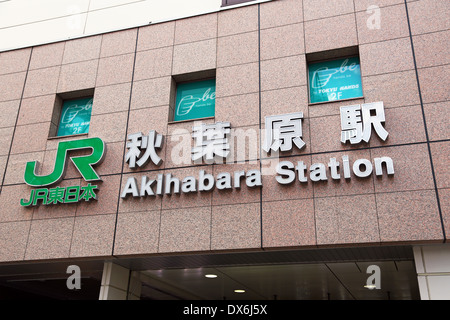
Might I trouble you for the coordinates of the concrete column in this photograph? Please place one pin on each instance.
(119, 283)
(433, 271)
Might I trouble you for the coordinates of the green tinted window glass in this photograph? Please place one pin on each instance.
(195, 100)
(335, 80)
(75, 117)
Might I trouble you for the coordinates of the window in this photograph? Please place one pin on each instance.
(333, 80)
(75, 116)
(195, 100)
(231, 2)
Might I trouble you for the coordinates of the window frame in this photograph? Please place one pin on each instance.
(226, 3)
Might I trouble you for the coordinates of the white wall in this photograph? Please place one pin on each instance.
(26, 23)
(433, 271)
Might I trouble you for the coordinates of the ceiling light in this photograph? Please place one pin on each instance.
(370, 286)
(211, 276)
(239, 291)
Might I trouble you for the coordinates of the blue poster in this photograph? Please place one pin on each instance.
(75, 117)
(195, 100)
(335, 80)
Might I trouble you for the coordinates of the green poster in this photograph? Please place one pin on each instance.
(335, 80)
(75, 117)
(195, 100)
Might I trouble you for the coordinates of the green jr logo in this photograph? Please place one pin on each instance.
(83, 164)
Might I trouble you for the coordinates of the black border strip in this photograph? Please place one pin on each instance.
(425, 123)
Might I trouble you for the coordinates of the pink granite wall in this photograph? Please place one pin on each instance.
(259, 54)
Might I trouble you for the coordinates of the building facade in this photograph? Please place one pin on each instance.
(295, 149)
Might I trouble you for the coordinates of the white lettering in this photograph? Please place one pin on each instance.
(334, 165)
(286, 173)
(379, 165)
(200, 310)
(357, 168)
(223, 181)
(130, 188)
(318, 172)
(146, 187)
(301, 169)
(208, 178)
(253, 178)
(169, 181)
(189, 185)
(237, 178)
(290, 174)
